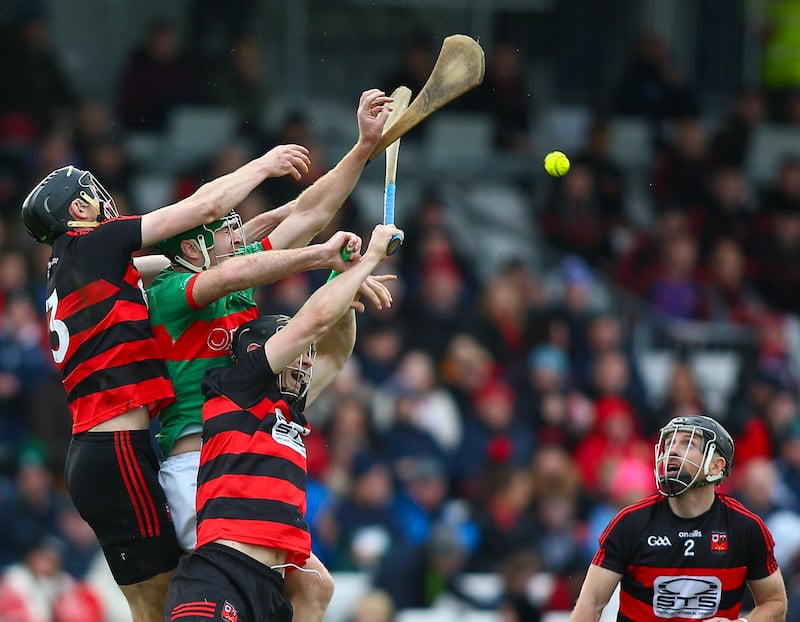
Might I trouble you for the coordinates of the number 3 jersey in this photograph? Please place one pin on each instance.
(99, 331)
(685, 569)
(251, 486)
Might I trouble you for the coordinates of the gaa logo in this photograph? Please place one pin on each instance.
(686, 597)
(658, 541)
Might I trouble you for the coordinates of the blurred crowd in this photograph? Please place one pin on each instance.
(485, 424)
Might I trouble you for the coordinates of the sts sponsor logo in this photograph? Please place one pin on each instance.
(289, 433)
(686, 597)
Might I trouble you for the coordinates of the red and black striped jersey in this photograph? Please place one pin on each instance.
(251, 486)
(99, 330)
(685, 569)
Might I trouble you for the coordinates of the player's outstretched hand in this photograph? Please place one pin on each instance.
(340, 240)
(379, 242)
(374, 291)
(286, 160)
(373, 109)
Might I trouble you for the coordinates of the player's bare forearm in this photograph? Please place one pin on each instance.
(261, 225)
(317, 204)
(228, 191)
(255, 269)
(216, 198)
(334, 347)
(333, 299)
(149, 266)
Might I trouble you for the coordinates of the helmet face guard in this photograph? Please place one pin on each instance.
(203, 237)
(675, 471)
(295, 378)
(93, 193)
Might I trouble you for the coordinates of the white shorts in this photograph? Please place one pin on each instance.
(178, 478)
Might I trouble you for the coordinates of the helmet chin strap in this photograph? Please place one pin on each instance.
(82, 224)
(206, 257)
(88, 224)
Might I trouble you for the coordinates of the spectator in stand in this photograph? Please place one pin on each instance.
(427, 409)
(30, 505)
(504, 514)
(681, 170)
(631, 480)
(440, 306)
(612, 376)
(639, 266)
(406, 441)
(38, 589)
(730, 212)
(155, 80)
(617, 436)
(412, 70)
(730, 296)
(651, 86)
(681, 398)
(93, 123)
(604, 333)
(677, 291)
(380, 347)
(493, 434)
(573, 218)
(609, 180)
(730, 144)
(39, 95)
(374, 606)
(504, 324)
(364, 526)
(578, 298)
(297, 129)
(423, 576)
(777, 272)
(788, 462)
(241, 83)
(786, 196)
(348, 433)
(465, 368)
(24, 366)
(559, 532)
(506, 98)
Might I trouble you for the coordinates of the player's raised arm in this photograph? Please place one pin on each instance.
(317, 204)
(218, 197)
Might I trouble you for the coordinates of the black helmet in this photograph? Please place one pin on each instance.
(293, 380)
(45, 211)
(256, 333)
(672, 479)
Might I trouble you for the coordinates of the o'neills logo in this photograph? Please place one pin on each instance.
(219, 339)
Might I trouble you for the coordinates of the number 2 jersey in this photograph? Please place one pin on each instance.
(685, 569)
(251, 486)
(99, 330)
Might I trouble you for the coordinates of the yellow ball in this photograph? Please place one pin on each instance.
(556, 163)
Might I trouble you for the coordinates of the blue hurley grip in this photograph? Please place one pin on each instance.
(388, 204)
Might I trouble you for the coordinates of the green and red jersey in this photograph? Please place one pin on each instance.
(192, 340)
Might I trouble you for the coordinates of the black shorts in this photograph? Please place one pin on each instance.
(220, 583)
(112, 478)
